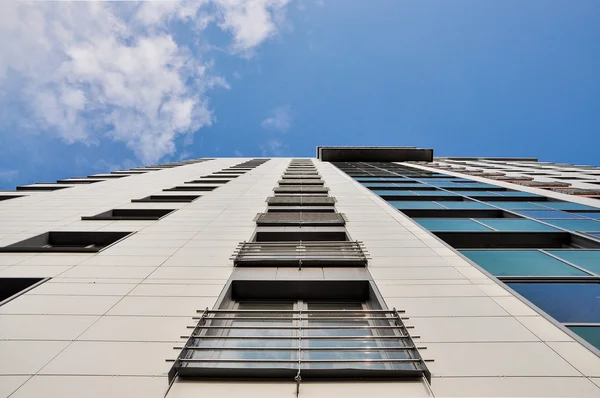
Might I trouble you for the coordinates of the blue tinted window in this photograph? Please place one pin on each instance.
(521, 263)
(540, 214)
(567, 206)
(591, 334)
(589, 215)
(566, 302)
(478, 193)
(379, 184)
(450, 224)
(517, 193)
(435, 193)
(477, 185)
(516, 224)
(519, 205)
(588, 259)
(577, 225)
(408, 205)
(393, 192)
(464, 205)
(444, 184)
(595, 235)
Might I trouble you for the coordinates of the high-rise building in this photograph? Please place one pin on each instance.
(365, 271)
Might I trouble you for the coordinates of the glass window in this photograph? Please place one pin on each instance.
(588, 259)
(434, 193)
(520, 205)
(478, 193)
(444, 184)
(577, 225)
(591, 334)
(379, 184)
(521, 263)
(410, 204)
(465, 205)
(544, 214)
(517, 193)
(450, 224)
(567, 206)
(595, 235)
(516, 224)
(566, 302)
(393, 192)
(594, 215)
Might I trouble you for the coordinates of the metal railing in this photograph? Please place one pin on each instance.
(288, 343)
(300, 253)
(300, 218)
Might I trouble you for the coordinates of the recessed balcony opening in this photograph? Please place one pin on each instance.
(40, 187)
(78, 181)
(167, 198)
(211, 181)
(131, 214)
(8, 197)
(190, 188)
(67, 242)
(309, 234)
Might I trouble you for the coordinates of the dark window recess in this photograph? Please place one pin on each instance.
(300, 201)
(36, 187)
(300, 254)
(300, 330)
(7, 197)
(11, 288)
(516, 240)
(78, 181)
(305, 234)
(301, 176)
(128, 172)
(301, 189)
(424, 197)
(190, 188)
(211, 181)
(118, 175)
(458, 213)
(300, 218)
(222, 175)
(131, 214)
(296, 209)
(63, 241)
(167, 198)
(301, 182)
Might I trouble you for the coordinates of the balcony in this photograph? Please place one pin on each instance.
(300, 219)
(300, 253)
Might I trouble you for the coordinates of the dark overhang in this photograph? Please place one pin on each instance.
(373, 154)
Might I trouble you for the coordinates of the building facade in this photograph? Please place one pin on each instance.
(363, 271)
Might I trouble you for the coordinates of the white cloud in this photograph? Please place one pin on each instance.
(280, 119)
(274, 148)
(91, 71)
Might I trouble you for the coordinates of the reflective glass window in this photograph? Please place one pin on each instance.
(393, 192)
(577, 225)
(410, 205)
(450, 224)
(516, 224)
(379, 184)
(521, 263)
(566, 302)
(594, 215)
(478, 193)
(542, 214)
(588, 259)
(435, 193)
(567, 206)
(591, 334)
(464, 205)
(517, 193)
(520, 205)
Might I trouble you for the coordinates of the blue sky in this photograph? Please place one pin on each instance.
(164, 81)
